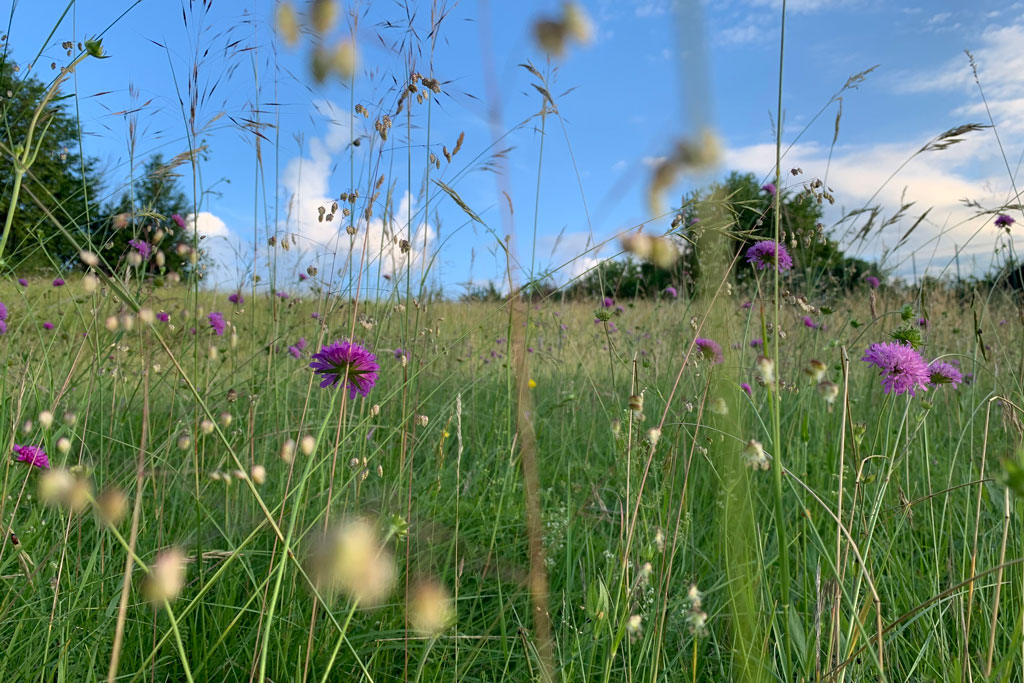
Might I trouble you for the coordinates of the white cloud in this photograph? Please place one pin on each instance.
(207, 224)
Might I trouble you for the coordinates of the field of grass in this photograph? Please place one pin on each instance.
(523, 485)
(508, 525)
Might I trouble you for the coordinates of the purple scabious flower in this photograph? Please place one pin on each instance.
(32, 455)
(314, 316)
(142, 247)
(873, 281)
(295, 351)
(941, 372)
(764, 254)
(769, 188)
(671, 292)
(23, 282)
(217, 323)
(399, 353)
(301, 344)
(347, 363)
(179, 220)
(282, 295)
(163, 317)
(710, 349)
(3, 311)
(302, 277)
(47, 325)
(236, 298)
(58, 282)
(903, 369)
(746, 387)
(809, 323)
(1004, 221)
(608, 302)
(756, 343)
(3, 327)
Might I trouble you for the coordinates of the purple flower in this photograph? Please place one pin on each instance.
(746, 387)
(756, 343)
(217, 323)
(3, 311)
(302, 276)
(1004, 221)
(764, 254)
(769, 188)
(282, 295)
(47, 325)
(940, 372)
(399, 353)
(295, 351)
(903, 369)
(179, 220)
(873, 281)
(314, 316)
(808, 322)
(746, 305)
(236, 298)
(32, 455)
(163, 317)
(58, 282)
(608, 302)
(23, 282)
(710, 349)
(301, 344)
(142, 247)
(3, 327)
(671, 292)
(347, 363)
(923, 322)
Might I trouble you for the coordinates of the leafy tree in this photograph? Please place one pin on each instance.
(747, 210)
(58, 177)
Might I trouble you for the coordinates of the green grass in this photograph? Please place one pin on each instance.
(460, 520)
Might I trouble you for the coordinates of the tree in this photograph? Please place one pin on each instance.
(58, 176)
(149, 206)
(747, 211)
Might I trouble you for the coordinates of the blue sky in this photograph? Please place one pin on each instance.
(621, 106)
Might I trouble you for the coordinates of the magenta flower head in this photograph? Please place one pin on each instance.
(746, 387)
(763, 255)
(671, 292)
(3, 311)
(217, 323)
(142, 247)
(163, 317)
(58, 282)
(873, 281)
(301, 344)
(3, 327)
(302, 276)
(347, 363)
(941, 372)
(23, 282)
(236, 298)
(32, 455)
(1004, 221)
(295, 351)
(179, 220)
(47, 325)
(756, 343)
(710, 349)
(809, 323)
(282, 295)
(903, 369)
(608, 302)
(769, 188)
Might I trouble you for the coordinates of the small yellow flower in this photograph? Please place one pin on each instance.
(532, 384)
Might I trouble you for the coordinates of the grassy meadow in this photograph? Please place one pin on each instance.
(710, 481)
(202, 435)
